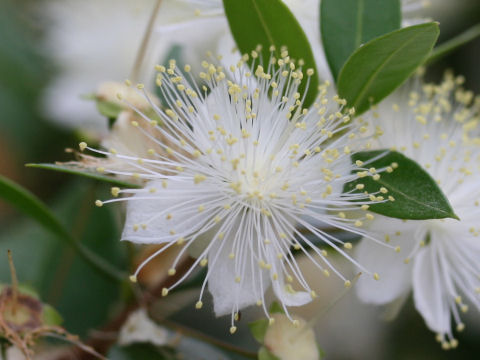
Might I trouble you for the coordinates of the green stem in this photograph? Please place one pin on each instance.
(454, 43)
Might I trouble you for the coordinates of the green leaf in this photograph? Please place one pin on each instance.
(63, 277)
(108, 109)
(258, 329)
(264, 354)
(50, 316)
(276, 308)
(417, 195)
(347, 24)
(77, 170)
(30, 205)
(377, 68)
(270, 22)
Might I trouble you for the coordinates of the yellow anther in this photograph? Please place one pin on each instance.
(348, 245)
(198, 178)
(164, 292)
(172, 271)
(115, 191)
(233, 329)
(347, 283)
(198, 305)
(98, 203)
(83, 145)
(376, 276)
(133, 278)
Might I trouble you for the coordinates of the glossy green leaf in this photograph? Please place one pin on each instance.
(264, 354)
(377, 68)
(416, 194)
(270, 22)
(77, 170)
(258, 329)
(347, 24)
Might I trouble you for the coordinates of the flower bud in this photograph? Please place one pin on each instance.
(291, 340)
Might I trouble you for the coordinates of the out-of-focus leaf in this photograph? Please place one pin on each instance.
(77, 170)
(416, 194)
(26, 202)
(50, 316)
(377, 68)
(276, 308)
(108, 109)
(258, 329)
(270, 22)
(347, 24)
(30, 205)
(65, 280)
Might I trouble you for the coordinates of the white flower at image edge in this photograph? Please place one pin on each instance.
(244, 168)
(441, 258)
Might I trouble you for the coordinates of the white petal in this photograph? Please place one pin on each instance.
(283, 291)
(153, 212)
(395, 275)
(229, 295)
(428, 292)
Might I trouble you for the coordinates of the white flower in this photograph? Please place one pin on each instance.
(439, 258)
(140, 328)
(242, 171)
(287, 340)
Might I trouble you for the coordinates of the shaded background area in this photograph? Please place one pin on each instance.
(347, 331)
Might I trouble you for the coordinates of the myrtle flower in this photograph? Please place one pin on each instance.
(431, 125)
(245, 166)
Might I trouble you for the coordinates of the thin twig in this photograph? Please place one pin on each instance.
(454, 43)
(13, 274)
(144, 45)
(208, 339)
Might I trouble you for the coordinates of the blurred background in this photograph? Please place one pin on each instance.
(47, 51)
